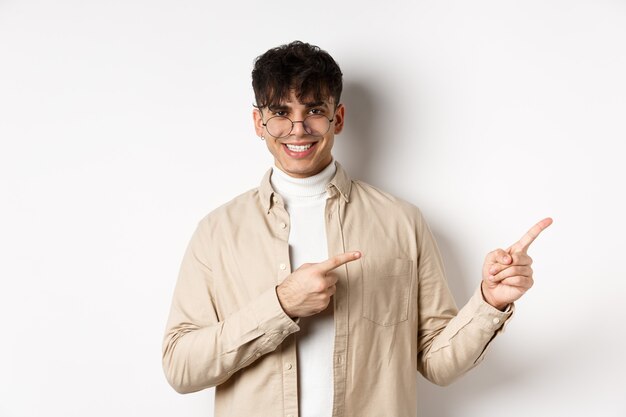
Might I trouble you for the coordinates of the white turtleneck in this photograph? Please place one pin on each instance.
(305, 201)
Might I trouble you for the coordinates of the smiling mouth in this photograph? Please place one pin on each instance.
(299, 148)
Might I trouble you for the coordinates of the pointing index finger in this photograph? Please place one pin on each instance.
(338, 260)
(530, 236)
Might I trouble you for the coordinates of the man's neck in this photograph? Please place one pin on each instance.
(287, 185)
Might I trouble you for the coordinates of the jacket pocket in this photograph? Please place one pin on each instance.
(386, 287)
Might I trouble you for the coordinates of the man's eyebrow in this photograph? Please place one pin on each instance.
(315, 104)
(309, 105)
(277, 107)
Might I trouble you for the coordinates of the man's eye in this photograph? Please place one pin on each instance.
(316, 111)
(279, 113)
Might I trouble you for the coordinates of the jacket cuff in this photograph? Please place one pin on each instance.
(271, 318)
(487, 316)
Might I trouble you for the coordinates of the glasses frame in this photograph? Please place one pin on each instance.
(293, 124)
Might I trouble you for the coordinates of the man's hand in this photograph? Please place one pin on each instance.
(507, 274)
(308, 289)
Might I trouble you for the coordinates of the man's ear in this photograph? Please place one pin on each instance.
(258, 122)
(339, 118)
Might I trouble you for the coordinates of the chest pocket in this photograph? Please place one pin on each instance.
(386, 287)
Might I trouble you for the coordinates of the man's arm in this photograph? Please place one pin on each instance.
(199, 349)
(452, 343)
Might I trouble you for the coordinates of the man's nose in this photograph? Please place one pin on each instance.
(298, 128)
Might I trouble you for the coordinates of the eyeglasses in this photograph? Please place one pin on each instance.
(282, 126)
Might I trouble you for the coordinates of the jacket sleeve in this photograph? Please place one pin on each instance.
(450, 342)
(201, 350)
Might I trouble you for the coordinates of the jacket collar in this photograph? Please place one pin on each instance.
(341, 182)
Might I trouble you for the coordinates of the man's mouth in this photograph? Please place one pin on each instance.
(299, 148)
(300, 151)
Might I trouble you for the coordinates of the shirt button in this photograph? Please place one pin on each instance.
(496, 320)
(283, 225)
(258, 354)
(288, 366)
(282, 266)
(285, 331)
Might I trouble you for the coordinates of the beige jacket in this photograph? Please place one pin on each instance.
(394, 314)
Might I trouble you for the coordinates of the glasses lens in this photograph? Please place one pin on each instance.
(281, 126)
(278, 126)
(316, 125)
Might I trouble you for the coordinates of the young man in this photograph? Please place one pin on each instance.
(367, 303)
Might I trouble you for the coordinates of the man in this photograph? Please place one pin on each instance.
(367, 303)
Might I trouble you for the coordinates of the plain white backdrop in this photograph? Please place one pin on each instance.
(122, 123)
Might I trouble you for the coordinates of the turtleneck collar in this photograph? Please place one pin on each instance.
(295, 188)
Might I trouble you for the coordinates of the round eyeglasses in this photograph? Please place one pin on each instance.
(282, 126)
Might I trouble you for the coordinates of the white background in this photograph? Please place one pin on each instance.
(122, 123)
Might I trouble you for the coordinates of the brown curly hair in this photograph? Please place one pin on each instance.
(308, 70)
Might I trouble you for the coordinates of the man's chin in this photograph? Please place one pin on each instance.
(297, 169)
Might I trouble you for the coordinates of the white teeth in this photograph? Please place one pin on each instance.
(299, 148)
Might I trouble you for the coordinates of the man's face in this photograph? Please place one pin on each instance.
(300, 154)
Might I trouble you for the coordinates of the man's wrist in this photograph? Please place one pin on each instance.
(488, 300)
(281, 296)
